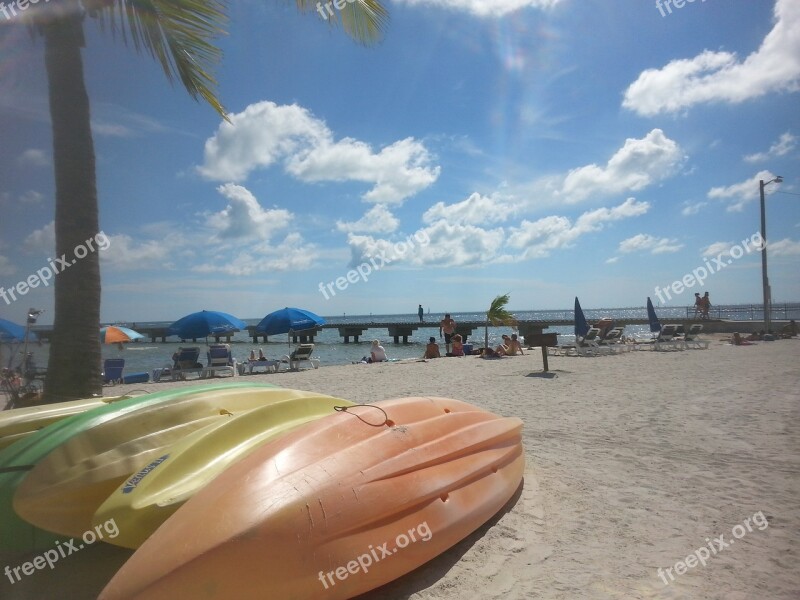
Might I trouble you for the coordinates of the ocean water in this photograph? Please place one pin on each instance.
(331, 349)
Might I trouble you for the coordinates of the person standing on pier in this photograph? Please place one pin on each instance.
(448, 326)
(421, 313)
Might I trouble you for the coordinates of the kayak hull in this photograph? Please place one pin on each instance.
(336, 508)
(141, 504)
(65, 488)
(18, 459)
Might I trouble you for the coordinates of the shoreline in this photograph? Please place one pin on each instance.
(632, 461)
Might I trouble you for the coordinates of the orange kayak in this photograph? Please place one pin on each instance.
(336, 508)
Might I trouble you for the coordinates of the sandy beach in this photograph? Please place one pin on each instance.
(634, 462)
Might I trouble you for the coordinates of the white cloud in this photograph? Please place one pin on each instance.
(539, 238)
(41, 241)
(722, 76)
(377, 219)
(440, 244)
(6, 268)
(716, 249)
(638, 164)
(784, 247)
(33, 157)
(126, 254)
(783, 146)
(293, 253)
(475, 210)
(612, 260)
(647, 243)
(244, 218)
(31, 197)
(740, 194)
(689, 210)
(485, 8)
(265, 134)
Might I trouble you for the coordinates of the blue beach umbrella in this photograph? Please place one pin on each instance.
(11, 332)
(655, 326)
(287, 320)
(581, 325)
(205, 323)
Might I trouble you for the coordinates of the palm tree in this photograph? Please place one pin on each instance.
(179, 35)
(498, 315)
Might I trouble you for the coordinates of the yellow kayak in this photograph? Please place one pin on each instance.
(65, 488)
(16, 423)
(145, 500)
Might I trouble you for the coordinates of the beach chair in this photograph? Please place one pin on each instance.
(691, 339)
(613, 340)
(219, 360)
(301, 355)
(667, 339)
(112, 370)
(186, 363)
(589, 345)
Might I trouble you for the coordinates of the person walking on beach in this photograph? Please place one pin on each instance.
(706, 306)
(448, 326)
(420, 312)
(698, 304)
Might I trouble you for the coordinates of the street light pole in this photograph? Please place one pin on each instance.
(764, 278)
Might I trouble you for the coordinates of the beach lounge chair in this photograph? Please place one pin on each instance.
(589, 345)
(668, 339)
(301, 355)
(186, 363)
(691, 339)
(613, 340)
(219, 360)
(112, 370)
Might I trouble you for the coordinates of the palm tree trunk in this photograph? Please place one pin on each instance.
(73, 369)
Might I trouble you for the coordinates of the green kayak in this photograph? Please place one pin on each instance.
(16, 535)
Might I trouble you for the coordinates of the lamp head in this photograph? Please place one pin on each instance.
(778, 179)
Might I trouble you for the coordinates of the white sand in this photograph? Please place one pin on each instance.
(632, 462)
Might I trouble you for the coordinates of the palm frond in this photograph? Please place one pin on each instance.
(363, 20)
(498, 314)
(178, 34)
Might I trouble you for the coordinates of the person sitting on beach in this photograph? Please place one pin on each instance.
(261, 356)
(377, 353)
(432, 349)
(504, 348)
(514, 346)
(458, 346)
(738, 340)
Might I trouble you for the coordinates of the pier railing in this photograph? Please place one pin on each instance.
(750, 312)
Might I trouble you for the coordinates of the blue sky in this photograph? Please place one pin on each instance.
(544, 148)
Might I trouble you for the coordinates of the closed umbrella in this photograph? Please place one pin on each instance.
(581, 325)
(205, 323)
(655, 325)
